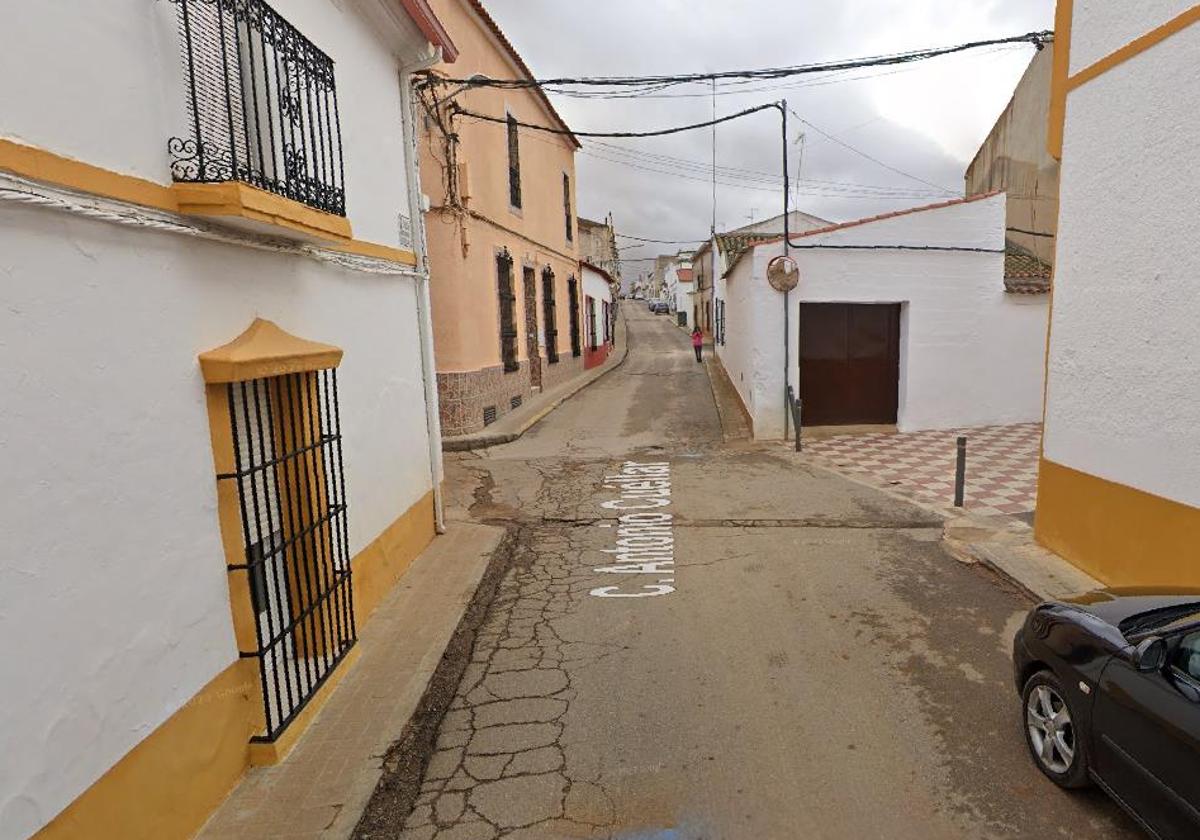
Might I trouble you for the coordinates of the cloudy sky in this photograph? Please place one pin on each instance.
(925, 119)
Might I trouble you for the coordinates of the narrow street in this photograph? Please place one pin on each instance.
(812, 664)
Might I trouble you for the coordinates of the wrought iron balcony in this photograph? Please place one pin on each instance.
(262, 104)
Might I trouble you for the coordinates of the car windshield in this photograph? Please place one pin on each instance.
(1157, 619)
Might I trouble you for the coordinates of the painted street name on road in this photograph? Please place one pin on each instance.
(645, 538)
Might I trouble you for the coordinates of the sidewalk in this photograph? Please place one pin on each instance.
(516, 423)
(1004, 544)
(735, 425)
(322, 788)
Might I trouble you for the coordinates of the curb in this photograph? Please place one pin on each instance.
(483, 441)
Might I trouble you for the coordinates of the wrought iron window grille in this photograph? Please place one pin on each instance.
(514, 163)
(291, 487)
(550, 314)
(567, 207)
(573, 317)
(508, 311)
(593, 342)
(262, 105)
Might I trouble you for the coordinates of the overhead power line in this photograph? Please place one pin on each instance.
(863, 154)
(456, 109)
(1037, 39)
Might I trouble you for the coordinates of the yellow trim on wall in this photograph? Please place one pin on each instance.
(266, 754)
(171, 782)
(1135, 47)
(265, 349)
(51, 168)
(233, 198)
(380, 252)
(378, 566)
(1117, 534)
(1060, 70)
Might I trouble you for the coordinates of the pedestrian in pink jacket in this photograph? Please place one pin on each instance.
(698, 342)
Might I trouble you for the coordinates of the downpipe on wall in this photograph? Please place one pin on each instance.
(416, 214)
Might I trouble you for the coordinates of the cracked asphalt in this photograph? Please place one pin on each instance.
(821, 669)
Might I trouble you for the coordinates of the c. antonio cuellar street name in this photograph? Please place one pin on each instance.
(645, 541)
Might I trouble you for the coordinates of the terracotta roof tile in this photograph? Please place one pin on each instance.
(1024, 273)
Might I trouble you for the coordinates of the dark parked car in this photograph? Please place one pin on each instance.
(1110, 693)
(659, 307)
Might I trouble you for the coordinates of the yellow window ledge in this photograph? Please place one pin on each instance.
(265, 349)
(234, 200)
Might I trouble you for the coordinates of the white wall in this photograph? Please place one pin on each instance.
(109, 90)
(1101, 27)
(1123, 399)
(595, 286)
(970, 354)
(683, 301)
(113, 588)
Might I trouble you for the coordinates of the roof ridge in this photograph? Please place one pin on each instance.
(477, 6)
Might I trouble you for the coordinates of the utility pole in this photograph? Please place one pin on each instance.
(713, 228)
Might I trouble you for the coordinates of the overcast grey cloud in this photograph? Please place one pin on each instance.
(926, 119)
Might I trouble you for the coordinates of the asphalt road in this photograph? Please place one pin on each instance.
(802, 659)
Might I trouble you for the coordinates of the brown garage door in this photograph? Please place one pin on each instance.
(849, 363)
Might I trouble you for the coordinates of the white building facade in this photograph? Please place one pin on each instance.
(598, 314)
(879, 332)
(1119, 484)
(218, 355)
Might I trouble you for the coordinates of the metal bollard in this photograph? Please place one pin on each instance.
(960, 472)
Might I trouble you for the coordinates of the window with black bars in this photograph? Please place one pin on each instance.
(514, 164)
(573, 316)
(607, 321)
(550, 315)
(261, 102)
(508, 311)
(591, 324)
(291, 487)
(567, 207)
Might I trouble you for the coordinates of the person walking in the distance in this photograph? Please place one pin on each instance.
(697, 342)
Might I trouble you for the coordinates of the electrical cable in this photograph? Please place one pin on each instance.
(1038, 39)
(459, 110)
(875, 160)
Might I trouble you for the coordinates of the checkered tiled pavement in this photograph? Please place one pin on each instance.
(1001, 464)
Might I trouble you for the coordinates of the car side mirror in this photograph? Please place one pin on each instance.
(1150, 654)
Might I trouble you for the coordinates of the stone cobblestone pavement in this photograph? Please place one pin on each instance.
(1001, 464)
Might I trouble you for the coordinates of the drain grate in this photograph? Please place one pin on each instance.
(516, 401)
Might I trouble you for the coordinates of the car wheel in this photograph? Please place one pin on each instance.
(1057, 746)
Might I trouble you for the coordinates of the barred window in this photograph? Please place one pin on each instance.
(262, 104)
(291, 487)
(508, 313)
(514, 164)
(567, 207)
(573, 316)
(550, 315)
(593, 341)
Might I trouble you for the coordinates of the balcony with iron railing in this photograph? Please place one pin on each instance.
(264, 145)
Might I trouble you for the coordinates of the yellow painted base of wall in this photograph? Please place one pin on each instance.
(168, 785)
(378, 566)
(264, 754)
(1118, 535)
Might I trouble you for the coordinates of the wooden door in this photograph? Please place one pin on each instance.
(849, 363)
